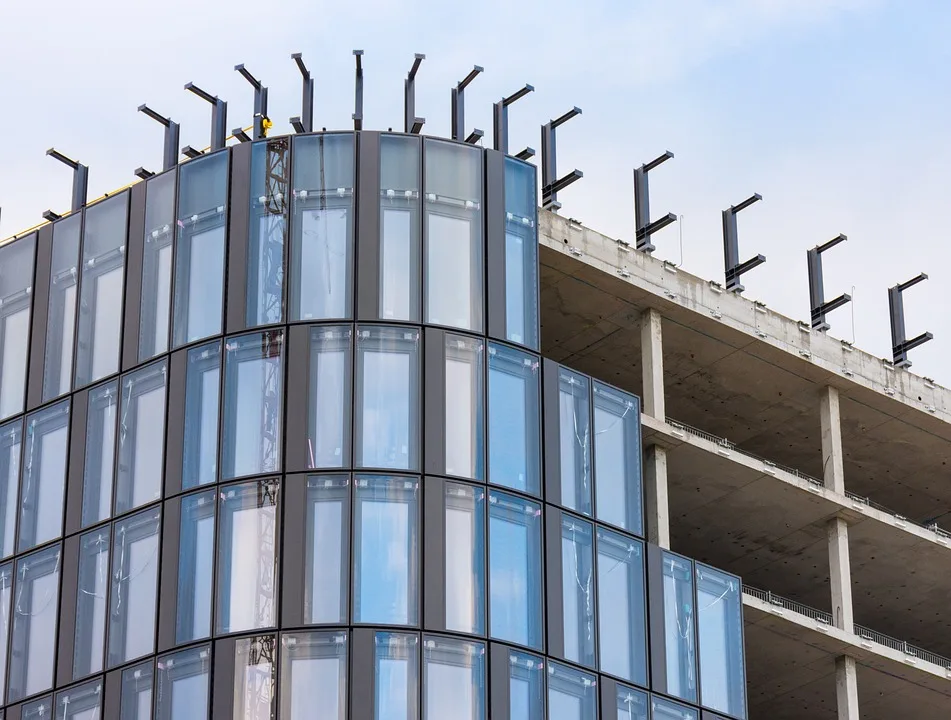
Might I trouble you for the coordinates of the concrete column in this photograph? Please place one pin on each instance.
(833, 474)
(652, 364)
(840, 574)
(847, 688)
(655, 458)
(655, 495)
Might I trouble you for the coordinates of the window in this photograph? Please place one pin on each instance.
(575, 440)
(515, 570)
(38, 709)
(514, 428)
(464, 407)
(662, 709)
(577, 590)
(35, 612)
(453, 679)
(521, 254)
(622, 614)
(327, 550)
(11, 438)
(632, 704)
(396, 665)
(267, 231)
(133, 600)
(99, 467)
(387, 398)
(196, 566)
(16, 301)
(200, 247)
(526, 686)
(314, 674)
(255, 678)
(617, 458)
(202, 388)
(572, 694)
(80, 703)
(6, 597)
(322, 240)
(328, 403)
(453, 235)
(154, 314)
(141, 437)
(385, 550)
(91, 603)
(102, 281)
(465, 558)
(679, 627)
(399, 228)
(44, 476)
(61, 324)
(720, 631)
(136, 699)
(253, 397)
(181, 688)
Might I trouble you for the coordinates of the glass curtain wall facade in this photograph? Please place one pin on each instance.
(276, 442)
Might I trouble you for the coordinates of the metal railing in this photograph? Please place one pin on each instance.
(798, 608)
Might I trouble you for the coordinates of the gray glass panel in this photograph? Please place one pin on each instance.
(526, 686)
(622, 614)
(574, 409)
(679, 628)
(720, 625)
(92, 599)
(572, 694)
(44, 476)
(136, 699)
(267, 231)
(632, 704)
(314, 675)
(37, 709)
(100, 460)
(465, 407)
(396, 666)
(11, 445)
(255, 678)
(514, 427)
(182, 685)
(16, 303)
(61, 324)
(141, 437)
(35, 612)
(399, 228)
(521, 254)
(617, 458)
(6, 599)
(327, 550)
(155, 311)
(200, 443)
(577, 590)
(102, 283)
(662, 709)
(196, 564)
(329, 402)
(453, 679)
(465, 558)
(80, 703)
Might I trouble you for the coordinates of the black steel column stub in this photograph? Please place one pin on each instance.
(819, 307)
(500, 120)
(172, 131)
(411, 123)
(731, 247)
(219, 116)
(80, 181)
(551, 185)
(358, 91)
(644, 228)
(304, 123)
(459, 108)
(896, 307)
(261, 120)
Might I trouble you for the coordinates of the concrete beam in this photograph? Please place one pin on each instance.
(652, 363)
(846, 688)
(830, 419)
(658, 511)
(840, 574)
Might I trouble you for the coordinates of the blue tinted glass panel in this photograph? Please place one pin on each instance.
(632, 704)
(37, 709)
(16, 302)
(61, 324)
(80, 703)
(182, 684)
(662, 709)
(622, 614)
(521, 254)
(617, 458)
(314, 675)
(465, 558)
(11, 445)
(255, 678)
(399, 228)
(514, 427)
(720, 625)
(577, 590)
(136, 699)
(99, 464)
(679, 628)
(453, 679)
(327, 549)
(526, 686)
(464, 409)
(196, 563)
(141, 437)
(6, 598)
(155, 312)
(267, 230)
(572, 694)
(202, 389)
(574, 424)
(35, 613)
(396, 666)
(329, 399)
(44, 476)
(91, 603)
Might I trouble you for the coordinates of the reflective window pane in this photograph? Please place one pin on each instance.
(617, 458)
(133, 599)
(322, 240)
(329, 400)
(314, 675)
(196, 565)
(327, 549)
(255, 678)
(399, 228)
(465, 558)
(453, 679)
(99, 464)
(575, 440)
(16, 302)
(200, 247)
(526, 686)
(11, 444)
(464, 407)
(679, 628)
(136, 699)
(141, 437)
(200, 443)
(251, 443)
(35, 612)
(387, 398)
(577, 590)
(453, 237)
(154, 314)
(91, 602)
(720, 626)
(44, 476)
(102, 281)
(572, 694)
(80, 703)
(6, 598)
(385, 550)
(622, 614)
(182, 685)
(61, 324)
(514, 427)
(521, 254)
(267, 230)
(515, 570)
(396, 667)
(632, 704)
(663, 709)
(38, 709)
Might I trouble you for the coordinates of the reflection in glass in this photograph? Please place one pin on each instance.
(622, 614)
(314, 675)
(136, 700)
(679, 628)
(154, 314)
(99, 467)
(35, 612)
(465, 558)
(200, 247)
(464, 407)
(575, 440)
(572, 694)
(200, 443)
(255, 678)
(61, 325)
(385, 550)
(16, 300)
(267, 231)
(521, 254)
(11, 439)
(328, 403)
(44, 476)
(247, 556)
(577, 590)
(80, 703)
(322, 240)
(387, 398)
(327, 576)
(396, 666)
(6, 597)
(399, 228)
(632, 704)
(526, 686)
(617, 457)
(101, 286)
(453, 679)
(133, 599)
(37, 709)
(514, 428)
(515, 570)
(181, 685)
(662, 709)
(141, 437)
(91, 602)
(196, 565)
(251, 442)
(720, 626)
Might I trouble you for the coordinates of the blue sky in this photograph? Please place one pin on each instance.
(837, 111)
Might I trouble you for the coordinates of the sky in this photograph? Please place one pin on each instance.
(838, 112)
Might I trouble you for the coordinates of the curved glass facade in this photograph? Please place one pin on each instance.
(283, 447)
